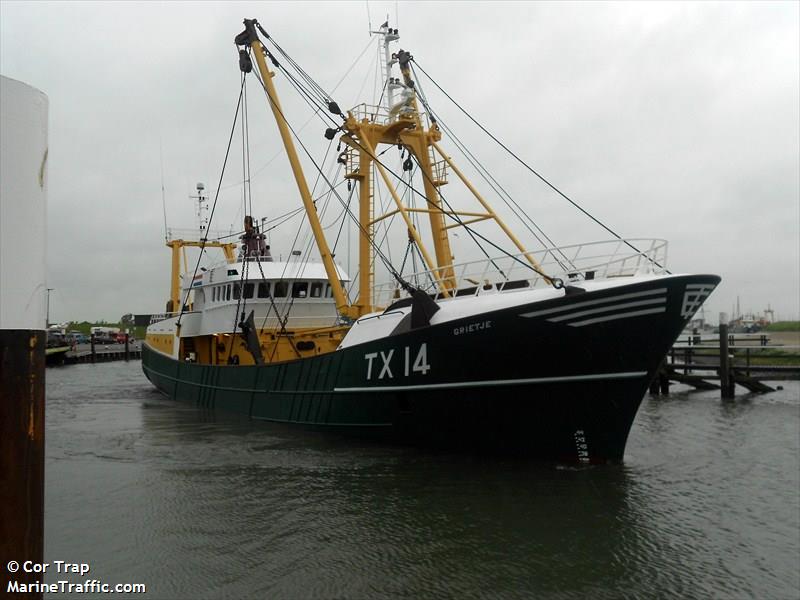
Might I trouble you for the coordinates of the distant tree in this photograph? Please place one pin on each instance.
(126, 320)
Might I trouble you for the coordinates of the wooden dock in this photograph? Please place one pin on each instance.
(724, 362)
(105, 356)
(98, 353)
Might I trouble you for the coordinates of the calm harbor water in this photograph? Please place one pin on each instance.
(196, 504)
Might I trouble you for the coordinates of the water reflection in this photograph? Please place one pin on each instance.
(333, 517)
(205, 504)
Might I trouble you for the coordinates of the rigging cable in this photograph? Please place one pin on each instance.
(303, 126)
(204, 239)
(556, 282)
(308, 98)
(378, 251)
(541, 177)
(496, 187)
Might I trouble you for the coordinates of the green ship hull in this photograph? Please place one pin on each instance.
(572, 395)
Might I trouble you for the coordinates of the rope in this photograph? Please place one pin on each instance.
(496, 187)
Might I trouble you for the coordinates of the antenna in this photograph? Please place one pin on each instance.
(369, 20)
(389, 34)
(202, 206)
(163, 199)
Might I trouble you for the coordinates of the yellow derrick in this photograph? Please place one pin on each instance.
(178, 247)
(339, 295)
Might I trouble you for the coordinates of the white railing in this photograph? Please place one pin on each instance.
(376, 114)
(571, 264)
(372, 113)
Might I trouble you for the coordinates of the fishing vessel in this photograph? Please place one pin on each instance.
(544, 351)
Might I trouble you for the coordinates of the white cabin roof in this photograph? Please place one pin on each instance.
(275, 270)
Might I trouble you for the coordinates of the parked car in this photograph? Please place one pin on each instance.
(78, 337)
(56, 340)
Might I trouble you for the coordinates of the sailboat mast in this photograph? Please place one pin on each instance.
(342, 304)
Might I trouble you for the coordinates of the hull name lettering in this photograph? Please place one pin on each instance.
(472, 328)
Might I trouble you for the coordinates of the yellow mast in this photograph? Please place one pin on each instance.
(402, 125)
(364, 130)
(342, 304)
(363, 135)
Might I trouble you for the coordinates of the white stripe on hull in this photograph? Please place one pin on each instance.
(614, 317)
(605, 309)
(494, 383)
(568, 307)
(612, 311)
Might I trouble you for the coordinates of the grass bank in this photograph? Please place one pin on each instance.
(783, 326)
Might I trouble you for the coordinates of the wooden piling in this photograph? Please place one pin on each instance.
(747, 361)
(726, 381)
(94, 352)
(660, 382)
(127, 348)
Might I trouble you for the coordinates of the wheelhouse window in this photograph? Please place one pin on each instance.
(263, 289)
(249, 288)
(281, 289)
(328, 291)
(228, 292)
(300, 289)
(316, 289)
(237, 291)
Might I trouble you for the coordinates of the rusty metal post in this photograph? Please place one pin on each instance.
(22, 357)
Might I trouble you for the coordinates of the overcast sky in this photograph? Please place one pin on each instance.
(665, 120)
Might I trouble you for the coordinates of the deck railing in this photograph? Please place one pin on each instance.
(572, 264)
(376, 114)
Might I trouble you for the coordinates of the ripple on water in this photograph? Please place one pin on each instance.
(200, 504)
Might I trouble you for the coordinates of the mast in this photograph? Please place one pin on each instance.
(250, 37)
(400, 122)
(395, 122)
